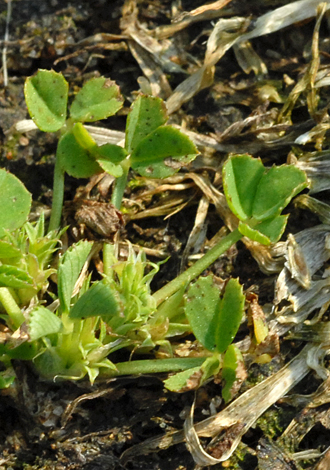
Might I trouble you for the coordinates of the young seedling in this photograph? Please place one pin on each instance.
(15, 201)
(25, 253)
(257, 196)
(214, 322)
(91, 322)
(151, 148)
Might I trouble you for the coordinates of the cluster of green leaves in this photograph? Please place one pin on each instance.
(152, 148)
(25, 255)
(93, 320)
(86, 321)
(214, 320)
(257, 196)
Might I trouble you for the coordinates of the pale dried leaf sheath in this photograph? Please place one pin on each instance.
(296, 263)
(269, 258)
(201, 458)
(320, 208)
(104, 136)
(283, 17)
(317, 167)
(305, 302)
(324, 463)
(248, 59)
(313, 253)
(100, 134)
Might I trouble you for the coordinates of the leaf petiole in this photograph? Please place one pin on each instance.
(11, 307)
(58, 197)
(191, 273)
(120, 184)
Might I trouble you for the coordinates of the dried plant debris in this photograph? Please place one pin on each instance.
(306, 254)
(272, 457)
(233, 421)
(316, 166)
(320, 208)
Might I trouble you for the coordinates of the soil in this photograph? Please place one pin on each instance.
(110, 417)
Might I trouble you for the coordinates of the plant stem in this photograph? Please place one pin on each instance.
(154, 366)
(58, 196)
(197, 269)
(120, 185)
(11, 307)
(107, 256)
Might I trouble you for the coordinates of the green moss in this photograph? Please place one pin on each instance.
(271, 423)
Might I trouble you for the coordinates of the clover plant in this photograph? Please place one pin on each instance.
(86, 321)
(257, 196)
(151, 148)
(153, 319)
(214, 321)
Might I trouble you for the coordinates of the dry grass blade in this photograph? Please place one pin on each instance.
(157, 78)
(313, 413)
(324, 463)
(248, 59)
(202, 13)
(284, 16)
(148, 52)
(198, 233)
(171, 207)
(306, 83)
(221, 39)
(303, 302)
(71, 407)
(4, 50)
(320, 208)
(317, 168)
(120, 46)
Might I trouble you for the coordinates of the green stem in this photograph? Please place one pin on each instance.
(120, 185)
(154, 366)
(107, 256)
(11, 307)
(58, 196)
(197, 269)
